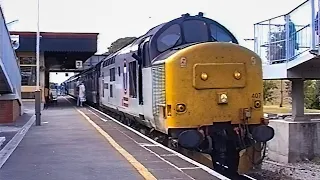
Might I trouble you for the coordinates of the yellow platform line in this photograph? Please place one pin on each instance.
(136, 164)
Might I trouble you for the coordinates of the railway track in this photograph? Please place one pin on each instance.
(198, 157)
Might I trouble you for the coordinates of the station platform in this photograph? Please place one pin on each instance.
(82, 143)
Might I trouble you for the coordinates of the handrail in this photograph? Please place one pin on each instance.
(283, 14)
(9, 58)
(8, 32)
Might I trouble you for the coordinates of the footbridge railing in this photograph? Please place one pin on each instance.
(286, 37)
(8, 59)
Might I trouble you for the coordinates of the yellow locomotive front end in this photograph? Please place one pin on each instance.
(214, 94)
(213, 82)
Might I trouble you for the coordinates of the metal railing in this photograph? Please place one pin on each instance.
(9, 58)
(286, 37)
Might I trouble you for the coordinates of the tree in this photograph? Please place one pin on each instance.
(119, 43)
(288, 87)
(268, 87)
(276, 46)
(311, 94)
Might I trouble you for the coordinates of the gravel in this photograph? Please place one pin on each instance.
(296, 171)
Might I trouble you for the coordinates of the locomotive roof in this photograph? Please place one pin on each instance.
(163, 26)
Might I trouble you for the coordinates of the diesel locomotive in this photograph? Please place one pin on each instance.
(190, 81)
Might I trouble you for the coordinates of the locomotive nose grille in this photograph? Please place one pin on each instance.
(219, 75)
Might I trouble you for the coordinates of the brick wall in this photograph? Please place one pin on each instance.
(9, 111)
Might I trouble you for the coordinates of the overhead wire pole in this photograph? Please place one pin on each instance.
(38, 92)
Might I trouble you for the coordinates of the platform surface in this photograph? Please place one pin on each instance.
(68, 145)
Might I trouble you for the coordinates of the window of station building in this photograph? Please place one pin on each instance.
(112, 74)
(195, 31)
(27, 95)
(169, 38)
(133, 79)
(28, 61)
(28, 71)
(28, 75)
(219, 34)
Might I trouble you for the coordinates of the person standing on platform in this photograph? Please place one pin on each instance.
(82, 94)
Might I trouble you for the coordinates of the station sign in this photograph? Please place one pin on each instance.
(15, 41)
(79, 64)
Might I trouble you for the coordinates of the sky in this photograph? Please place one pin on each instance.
(59, 77)
(114, 19)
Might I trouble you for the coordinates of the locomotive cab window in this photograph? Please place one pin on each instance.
(195, 31)
(133, 79)
(219, 34)
(169, 38)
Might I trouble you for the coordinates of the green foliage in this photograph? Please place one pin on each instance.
(288, 87)
(119, 43)
(268, 87)
(311, 94)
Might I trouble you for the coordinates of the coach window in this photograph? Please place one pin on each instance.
(219, 34)
(112, 74)
(195, 31)
(111, 90)
(169, 38)
(133, 79)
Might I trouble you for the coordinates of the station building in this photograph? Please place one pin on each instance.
(58, 53)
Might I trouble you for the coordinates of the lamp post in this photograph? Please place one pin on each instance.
(38, 92)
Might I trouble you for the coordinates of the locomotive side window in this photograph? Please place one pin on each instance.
(169, 38)
(146, 56)
(219, 34)
(195, 31)
(133, 79)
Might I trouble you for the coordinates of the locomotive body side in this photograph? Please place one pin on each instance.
(119, 88)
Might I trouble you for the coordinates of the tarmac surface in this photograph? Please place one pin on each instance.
(65, 147)
(83, 144)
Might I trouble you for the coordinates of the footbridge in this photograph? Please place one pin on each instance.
(289, 46)
(10, 77)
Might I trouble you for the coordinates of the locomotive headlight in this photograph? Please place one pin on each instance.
(204, 76)
(257, 103)
(237, 75)
(181, 108)
(223, 98)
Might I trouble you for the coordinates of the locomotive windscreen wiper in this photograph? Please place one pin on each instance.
(214, 39)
